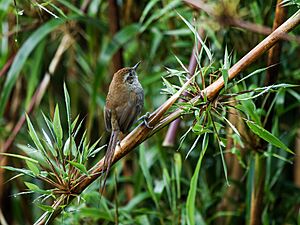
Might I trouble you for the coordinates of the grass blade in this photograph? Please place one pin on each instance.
(21, 57)
(190, 204)
(267, 136)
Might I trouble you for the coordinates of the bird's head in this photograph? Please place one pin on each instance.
(127, 74)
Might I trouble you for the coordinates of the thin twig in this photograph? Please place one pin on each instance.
(7, 65)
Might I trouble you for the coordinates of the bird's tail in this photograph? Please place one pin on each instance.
(109, 155)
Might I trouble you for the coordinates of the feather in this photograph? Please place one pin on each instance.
(109, 155)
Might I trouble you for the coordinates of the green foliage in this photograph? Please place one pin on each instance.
(249, 122)
(55, 157)
(267, 136)
(193, 186)
(21, 58)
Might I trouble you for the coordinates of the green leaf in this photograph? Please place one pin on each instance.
(267, 136)
(199, 129)
(225, 68)
(21, 57)
(31, 186)
(48, 143)
(80, 167)
(253, 73)
(193, 146)
(178, 168)
(143, 219)
(169, 86)
(92, 151)
(61, 12)
(49, 125)
(181, 64)
(190, 203)
(157, 38)
(220, 144)
(166, 183)
(145, 170)
(35, 65)
(69, 5)
(68, 108)
(232, 126)
(70, 147)
(18, 170)
(34, 136)
(78, 128)
(226, 59)
(136, 200)
(73, 125)
(19, 156)
(57, 127)
(46, 208)
(225, 77)
(33, 167)
(208, 53)
(33, 153)
(147, 9)
(159, 13)
(249, 108)
(96, 214)
(122, 37)
(36, 188)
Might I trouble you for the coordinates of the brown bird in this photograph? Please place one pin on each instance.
(124, 102)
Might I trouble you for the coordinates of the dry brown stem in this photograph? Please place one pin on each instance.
(114, 27)
(297, 160)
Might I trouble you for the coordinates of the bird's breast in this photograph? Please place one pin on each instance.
(134, 86)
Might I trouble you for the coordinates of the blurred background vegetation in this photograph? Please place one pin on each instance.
(82, 43)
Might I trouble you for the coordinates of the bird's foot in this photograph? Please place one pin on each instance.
(145, 120)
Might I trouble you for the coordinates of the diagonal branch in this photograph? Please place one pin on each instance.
(212, 90)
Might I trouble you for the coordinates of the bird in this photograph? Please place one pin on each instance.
(124, 102)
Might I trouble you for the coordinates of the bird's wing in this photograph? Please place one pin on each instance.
(126, 116)
(139, 102)
(128, 113)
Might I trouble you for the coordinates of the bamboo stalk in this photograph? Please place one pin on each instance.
(271, 77)
(212, 90)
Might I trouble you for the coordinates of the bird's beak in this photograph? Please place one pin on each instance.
(136, 66)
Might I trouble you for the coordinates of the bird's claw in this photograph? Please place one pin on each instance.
(147, 124)
(145, 120)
